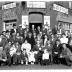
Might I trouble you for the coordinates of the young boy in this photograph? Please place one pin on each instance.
(45, 57)
(24, 57)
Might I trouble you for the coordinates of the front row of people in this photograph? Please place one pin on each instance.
(16, 54)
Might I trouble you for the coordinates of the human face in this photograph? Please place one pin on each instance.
(70, 43)
(64, 46)
(40, 33)
(9, 43)
(13, 45)
(38, 27)
(48, 42)
(57, 42)
(52, 36)
(32, 26)
(17, 44)
(25, 41)
(17, 34)
(24, 51)
(63, 36)
(29, 34)
(45, 36)
(38, 42)
(4, 33)
(45, 50)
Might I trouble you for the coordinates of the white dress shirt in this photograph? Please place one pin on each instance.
(45, 56)
(26, 46)
(64, 40)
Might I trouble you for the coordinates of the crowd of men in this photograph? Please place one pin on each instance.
(35, 46)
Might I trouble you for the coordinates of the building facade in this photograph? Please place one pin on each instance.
(36, 13)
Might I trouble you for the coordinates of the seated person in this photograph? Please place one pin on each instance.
(32, 57)
(26, 46)
(66, 55)
(45, 58)
(13, 53)
(38, 56)
(18, 53)
(49, 47)
(24, 57)
(3, 57)
(56, 52)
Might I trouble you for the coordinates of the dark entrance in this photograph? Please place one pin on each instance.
(35, 25)
(36, 19)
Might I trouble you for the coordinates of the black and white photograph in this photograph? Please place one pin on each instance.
(35, 35)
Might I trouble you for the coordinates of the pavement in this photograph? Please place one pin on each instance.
(35, 67)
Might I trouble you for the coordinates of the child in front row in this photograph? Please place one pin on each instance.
(32, 57)
(24, 57)
(45, 58)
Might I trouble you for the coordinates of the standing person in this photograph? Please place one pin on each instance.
(53, 39)
(3, 41)
(13, 37)
(31, 40)
(25, 35)
(33, 29)
(20, 30)
(64, 39)
(8, 35)
(38, 30)
(3, 57)
(15, 28)
(45, 40)
(7, 50)
(54, 30)
(19, 38)
(44, 30)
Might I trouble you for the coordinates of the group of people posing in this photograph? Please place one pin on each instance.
(35, 46)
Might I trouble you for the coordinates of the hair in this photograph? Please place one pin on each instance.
(63, 33)
(14, 25)
(3, 31)
(25, 40)
(7, 31)
(58, 40)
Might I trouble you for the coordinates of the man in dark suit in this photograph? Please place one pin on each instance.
(14, 30)
(56, 52)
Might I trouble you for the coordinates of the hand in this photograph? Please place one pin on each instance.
(56, 52)
(4, 59)
(61, 56)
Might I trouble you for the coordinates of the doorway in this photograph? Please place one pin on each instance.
(36, 19)
(35, 25)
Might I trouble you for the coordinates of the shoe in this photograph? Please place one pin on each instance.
(22, 62)
(69, 65)
(26, 63)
